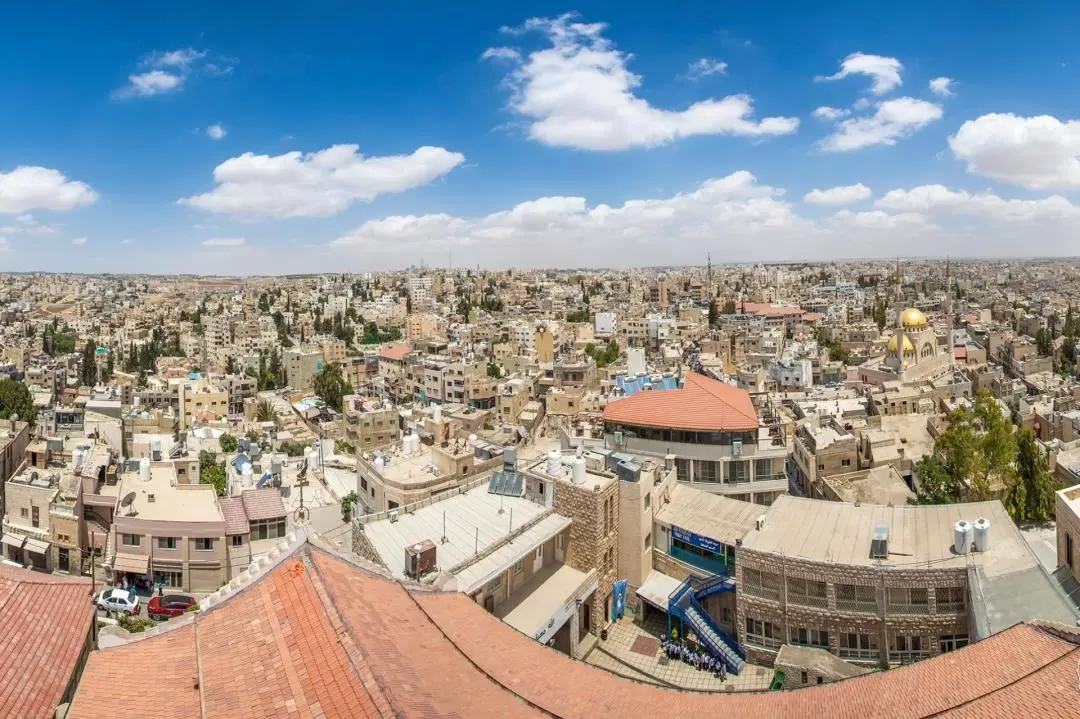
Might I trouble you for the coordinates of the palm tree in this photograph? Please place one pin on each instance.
(264, 411)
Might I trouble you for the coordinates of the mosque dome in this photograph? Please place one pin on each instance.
(890, 349)
(913, 319)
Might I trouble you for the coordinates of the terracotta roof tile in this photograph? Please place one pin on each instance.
(702, 404)
(263, 504)
(395, 353)
(45, 627)
(236, 521)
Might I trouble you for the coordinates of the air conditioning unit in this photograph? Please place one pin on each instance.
(759, 523)
(392, 515)
(736, 448)
(620, 440)
(420, 558)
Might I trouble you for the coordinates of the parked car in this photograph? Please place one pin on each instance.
(169, 605)
(118, 601)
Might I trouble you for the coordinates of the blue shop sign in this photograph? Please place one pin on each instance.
(696, 540)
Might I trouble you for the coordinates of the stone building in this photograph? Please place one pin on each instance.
(884, 585)
(1067, 514)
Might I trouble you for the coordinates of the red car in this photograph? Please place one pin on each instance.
(169, 606)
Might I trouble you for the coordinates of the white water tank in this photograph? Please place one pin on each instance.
(247, 474)
(578, 470)
(155, 450)
(144, 469)
(313, 459)
(554, 462)
(436, 413)
(472, 440)
(982, 534)
(380, 464)
(962, 536)
(77, 457)
(275, 465)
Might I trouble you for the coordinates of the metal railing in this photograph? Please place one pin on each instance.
(951, 607)
(758, 640)
(806, 600)
(908, 608)
(863, 654)
(907, 657)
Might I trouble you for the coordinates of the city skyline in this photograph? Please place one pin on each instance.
(345, 140)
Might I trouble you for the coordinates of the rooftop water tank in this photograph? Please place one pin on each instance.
(472, 440)
(982, 534)
(144, 469)
(578, 470)
(510, 459)
(436, 413)
(962, 536)
(554, 462)
(247, 474)
(380, 464)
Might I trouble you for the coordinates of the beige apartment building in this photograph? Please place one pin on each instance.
(301, 366)
(14, 439)
(1067, 514)
(199, 398)
(371, 424)
(27, 533)
(165, 530)
(822, 452)
(333, 351)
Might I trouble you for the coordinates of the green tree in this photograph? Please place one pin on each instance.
(230, 365)
(212, 472)
(714, 313)
(16, 401)
(729, 307)
(264, 411)
(1030, 495)
(879, 313)
(228, 443)
(1044, 342)
(493, 370)
(936, 483)
(331, 385)
(89, 373)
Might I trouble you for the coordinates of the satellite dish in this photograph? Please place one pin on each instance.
(128, 499)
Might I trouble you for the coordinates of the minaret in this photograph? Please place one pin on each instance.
(947, 308)
(708, 274)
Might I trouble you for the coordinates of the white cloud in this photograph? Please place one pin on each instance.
(125, 242)
(79, 241)
(40, 188)
(705, 66)
(224, 242)
(216, 132)
(844, 195)
(878, 220)
(579, 93)
(164, 72)
(885, 71)
(1034, 152)
(734, 206)
(892, 120)
(25, 218)
(940, 199)
(317, 184)
(501, 53)
(942, 86)
(5, 246)
(829, 113)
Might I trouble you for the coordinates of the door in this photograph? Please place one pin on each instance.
(489, 603)
(1068, 550)
(62, 559)
(538, 559)
(559, 551)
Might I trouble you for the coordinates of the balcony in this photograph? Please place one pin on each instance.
(858, 654)
(711, 565)
(762, 642)
(911, 609)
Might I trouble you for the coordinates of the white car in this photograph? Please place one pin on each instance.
(118, 601)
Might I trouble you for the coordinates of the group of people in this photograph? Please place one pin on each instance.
(698, 659)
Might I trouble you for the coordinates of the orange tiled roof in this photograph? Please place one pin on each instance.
(45, 625)
(765, 310)
(702, 404)
(323, 637)
(395, 353)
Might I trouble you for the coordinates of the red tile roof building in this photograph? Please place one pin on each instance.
(45, 634)
(322, 636)
(702, 404)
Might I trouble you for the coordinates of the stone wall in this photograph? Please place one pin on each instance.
(1068, 526)
(363, 547)
(883, 625)
(594, 539)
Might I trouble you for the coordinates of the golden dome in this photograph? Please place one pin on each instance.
(913, 319)
(909, 348)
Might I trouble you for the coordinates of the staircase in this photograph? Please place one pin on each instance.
(685, 604)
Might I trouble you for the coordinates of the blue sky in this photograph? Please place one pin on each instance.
(512, 134)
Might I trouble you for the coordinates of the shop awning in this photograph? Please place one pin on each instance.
(14, 540)
(134, 563)
(36, 546)
(656, 589)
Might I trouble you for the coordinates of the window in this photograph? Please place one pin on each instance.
(858, 646)
(648, 540)
(538, 553)
(363, 484)
(810, 637)
(845, 462)
(949, 642)
(267, 529)
(131, 540)
(609, 559)
(906, 649)
(805, 679)
(24, 512)
(204, 544)
(905, 600)
(950, 600)
(705, 471)
(648, 501)
(856, 597)
(757, 583)
(763, 470)
(35, 514)
(1068, 550)
(519, 566)
(682, 470)
(807, 593)
(166, 542)
(238, 540)
(493, 585)
(738, 471)
(763, 634)
(725, 614)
